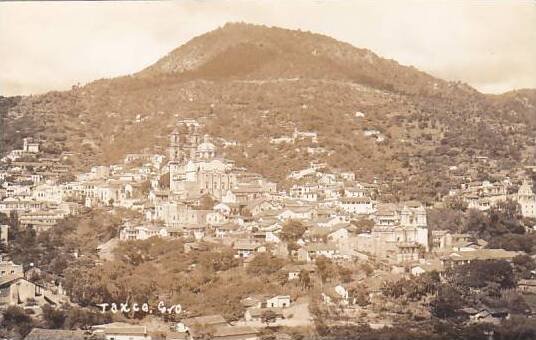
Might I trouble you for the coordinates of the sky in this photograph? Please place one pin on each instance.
(45, 46)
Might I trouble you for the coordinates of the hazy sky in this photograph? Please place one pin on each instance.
(52, 45)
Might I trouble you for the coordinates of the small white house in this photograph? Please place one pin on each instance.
(279, 301)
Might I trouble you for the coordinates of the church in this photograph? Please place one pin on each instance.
(194, 167)
(400, 232)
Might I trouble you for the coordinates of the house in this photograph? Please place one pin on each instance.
(193, 325)
(177, 336)
(334, 234)
(330, 221)
(296, 213)
(8, 268)
(347, 175)
(246, 248)
(48, 193)
(254, 301)
(338, 233)
(216, 218)
(40, 220)
(309, 172)
(329, 250)
(294, 270)
(4, 234)
(57, 334)
(121, 331)
(441, 240)
(464, 257)
(279, 301)
(307, 192)
(303, 255)
(312, 135)
(195, 230)
(227, 208)
(282, 139)
(527, 199)
(258, 206)
(235, 333)
(226, 230)
(127, 333)
(20, 205)
(255, 314)
(16, 290)
(485, 314)
(527, 286)
(426, 267)
(142, 232)
(30, 145)
(357, 205)
(266, 236)
(245, 193)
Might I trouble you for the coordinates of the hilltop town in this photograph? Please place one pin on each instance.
(264, 183)
(326, 253)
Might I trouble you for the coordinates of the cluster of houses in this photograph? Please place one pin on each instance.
(195, 194)
(248, 212)
(297, 135)
(212, 326)
(482, 195)
(30, 148)
(18, 287)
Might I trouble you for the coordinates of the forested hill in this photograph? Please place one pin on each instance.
(250, 83)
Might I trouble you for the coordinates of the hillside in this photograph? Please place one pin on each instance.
(251, 83)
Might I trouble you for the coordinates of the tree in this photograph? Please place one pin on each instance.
(268, 316)
(446, 303)
(54, 318)
(445, 219)
(17, 320)
(360, 295)
(326, 268)
(483, 274)
(218, 259)
(79, 318)
(206, 202)
(83, 283)
(164, 180)
(292, 231)
(345, 274)
(265, 263)
(523, 266)
(514, 242)
(456, 203)
(366, 268)
(516, 328)
(305, 279)
(363, 225)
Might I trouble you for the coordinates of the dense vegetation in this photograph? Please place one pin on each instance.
(276, 80)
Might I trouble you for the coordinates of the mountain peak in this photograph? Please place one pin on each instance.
(246, 51)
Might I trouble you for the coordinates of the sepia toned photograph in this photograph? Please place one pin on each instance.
(268, 170)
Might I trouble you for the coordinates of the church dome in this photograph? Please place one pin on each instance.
(206, 146)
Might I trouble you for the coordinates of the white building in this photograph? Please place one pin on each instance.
(357, 205)
(308, 192)
(527, 200)
(142, 232)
